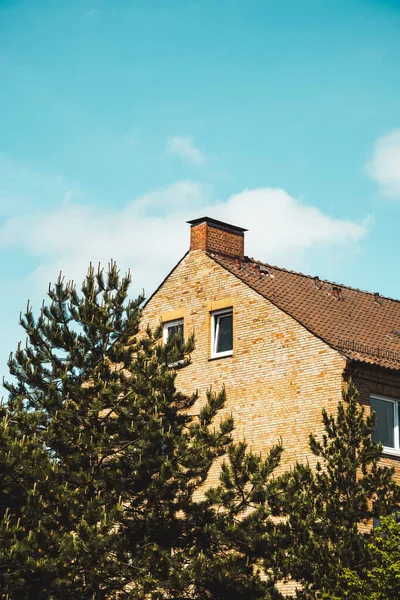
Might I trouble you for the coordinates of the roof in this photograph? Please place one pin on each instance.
(361, 325)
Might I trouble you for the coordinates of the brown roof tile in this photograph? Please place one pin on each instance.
(361, 325)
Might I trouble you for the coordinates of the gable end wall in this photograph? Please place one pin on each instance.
(280, 375)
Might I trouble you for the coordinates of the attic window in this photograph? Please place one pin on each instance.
(222, 333)
(173, 329)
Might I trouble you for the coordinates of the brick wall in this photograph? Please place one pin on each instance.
(223, 241)
(206, 236)
(279, 377)
(198, 237)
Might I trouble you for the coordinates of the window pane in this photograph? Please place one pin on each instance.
(384, 428)
(224, 333)
(176, 329)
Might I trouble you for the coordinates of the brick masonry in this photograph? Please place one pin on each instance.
(205, 236)
(279, 377)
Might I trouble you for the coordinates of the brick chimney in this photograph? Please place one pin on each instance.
(215, 236)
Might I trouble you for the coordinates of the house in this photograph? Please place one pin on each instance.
(281, 342)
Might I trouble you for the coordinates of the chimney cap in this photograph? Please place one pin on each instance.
(217, 224)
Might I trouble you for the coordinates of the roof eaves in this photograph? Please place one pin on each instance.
(366, 363)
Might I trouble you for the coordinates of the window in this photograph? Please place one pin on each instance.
(386, 429)
(174, 355)
(222, 333)
(173, 328)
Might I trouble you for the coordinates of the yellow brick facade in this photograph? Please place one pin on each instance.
(279, 376)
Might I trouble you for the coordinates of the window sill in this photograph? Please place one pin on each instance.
(391, 452)
(222, 355)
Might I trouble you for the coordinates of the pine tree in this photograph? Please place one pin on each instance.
(251, 496)
(334, 503)
(382, 580)
(111, 463)
(26, 544)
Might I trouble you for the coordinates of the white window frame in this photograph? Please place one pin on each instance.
(215, 330)
(396, 432)
(169, 324)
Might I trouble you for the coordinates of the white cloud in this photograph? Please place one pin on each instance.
(281, 227)
(92, 12)
(184, 147)
(142, 236)
(149, 234)
(384, 167)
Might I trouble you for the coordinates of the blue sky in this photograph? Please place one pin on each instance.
(121, 119)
